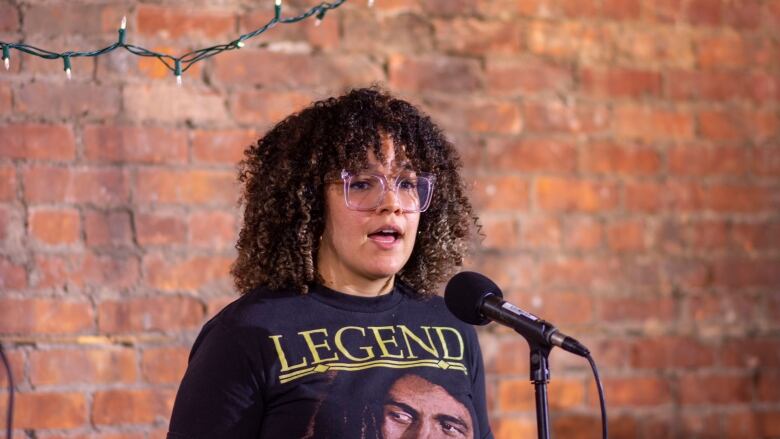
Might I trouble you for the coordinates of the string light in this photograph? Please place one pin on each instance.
(178, 65)
(370, 3)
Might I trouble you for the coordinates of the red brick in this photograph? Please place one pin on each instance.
(618, 82)
(5, 97)
(569, 194)
(294, 70)
(531, 155)
(448, 7)
(17, 363)
(752, 352)
(169, 274)
(563, 308)
(44, 316)
(103, 228)
(476, 115)
(768, 385)
(738, 198)
(745, 14)
(83, 366)
(61, 100)
(164, 365)
(634, 392)
(73, 18)
(671, 352)
(221, 147)
(663, 11)
(38, 142)
(721, 51)
(575, 426)
(751, 238)
(42, 410)
(582, 233)
(638, 310)
(325, 35)
(202, 187)
(163, 313)
(571, 40)
(714, 389)
(501, 193)
(55, 226)
(699, 161)
(212, 229)
(621, 9)
(154, 229)
(686, 236)
(85, 270)
(515, 395)
(13, 276)
(174, 23)
(719, 125)
(433, 73)
(626, 235)
(578, 273)
(769, 423)
(165, 102)
(643, 196)
(704, 12)
(101, 186)
(143, 406)
(742, 425)
(744, 273)
(506, 428)
(470, 36)
(653, 124)
(500, 232)
(522, 276)
(708, 85)
(557, 116)
(9, 17)
(697, 424)
(127, 144)
(540, 232)
(657, 46)
(7, 183)
(526, 75)
(264, 108)
(612, 158)
(367, 32)
(773, 8)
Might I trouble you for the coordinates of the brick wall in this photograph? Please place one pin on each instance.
(624, 156)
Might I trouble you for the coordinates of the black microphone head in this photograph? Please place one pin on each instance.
(464, 294)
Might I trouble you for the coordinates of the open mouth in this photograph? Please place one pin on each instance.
(387, 235)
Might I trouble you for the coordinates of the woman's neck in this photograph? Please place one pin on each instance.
(358, 287)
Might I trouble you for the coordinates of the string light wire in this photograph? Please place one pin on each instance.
(177, 65)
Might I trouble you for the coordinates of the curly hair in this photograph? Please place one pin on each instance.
(283, 177)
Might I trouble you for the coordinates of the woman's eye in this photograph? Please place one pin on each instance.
(452, 429)
(400, 417)
(360, 185)
(407, 184)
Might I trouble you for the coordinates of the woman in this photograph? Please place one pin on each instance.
(354, 214)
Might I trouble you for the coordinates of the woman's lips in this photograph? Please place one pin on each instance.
(384, 241)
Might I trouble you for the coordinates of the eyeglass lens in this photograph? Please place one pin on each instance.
(365, 191)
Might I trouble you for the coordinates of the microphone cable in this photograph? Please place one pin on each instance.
(604, 428)
(10, 413)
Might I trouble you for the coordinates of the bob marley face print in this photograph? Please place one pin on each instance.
(417, 408)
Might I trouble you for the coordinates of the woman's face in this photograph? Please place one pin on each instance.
(354, 255)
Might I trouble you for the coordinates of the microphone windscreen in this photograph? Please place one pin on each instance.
(464, 294)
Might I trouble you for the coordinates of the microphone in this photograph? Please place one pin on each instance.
(475, 299)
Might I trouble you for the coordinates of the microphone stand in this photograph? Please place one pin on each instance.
(540, 376)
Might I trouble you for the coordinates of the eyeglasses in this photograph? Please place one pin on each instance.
(365, 191)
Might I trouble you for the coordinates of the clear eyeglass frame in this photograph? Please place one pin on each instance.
(424, 181)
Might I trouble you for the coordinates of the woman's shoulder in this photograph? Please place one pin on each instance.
(259, 306)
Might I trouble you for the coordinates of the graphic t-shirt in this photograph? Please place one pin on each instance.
(331, 365)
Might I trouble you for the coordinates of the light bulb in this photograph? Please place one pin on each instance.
(124, 23)
(7, 63)
(370, 3)
(68, 73)
(178, 80)
(240, 44)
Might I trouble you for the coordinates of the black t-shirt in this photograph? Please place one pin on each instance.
(330, 365)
